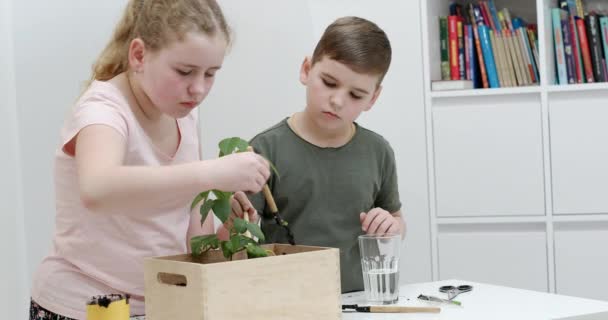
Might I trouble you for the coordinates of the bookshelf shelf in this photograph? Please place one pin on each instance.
(578, 87)
(581, 218)
(491, 220)
(485, 92)
(517, 162)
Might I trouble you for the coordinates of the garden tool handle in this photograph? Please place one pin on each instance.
(270, 199)
(267, 193)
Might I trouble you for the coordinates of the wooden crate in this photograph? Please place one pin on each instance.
(300, 282)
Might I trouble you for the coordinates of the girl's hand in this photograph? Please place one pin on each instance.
(379, 221)
(243, 171)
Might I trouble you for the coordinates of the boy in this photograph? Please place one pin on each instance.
(337, 180)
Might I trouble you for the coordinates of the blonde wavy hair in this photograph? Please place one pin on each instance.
(157, 23)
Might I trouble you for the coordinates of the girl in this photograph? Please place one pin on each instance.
(128, 165)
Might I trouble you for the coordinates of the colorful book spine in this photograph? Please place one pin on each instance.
(579, 8)
(534, 46)
(485, 11)
(582, 32)
(494, 15)
(513, 62)
(560, 59)
(532, 69)
(467, 53)
(461, 54)
(474, 74)
(604, 29)
(486, 46)
(567, 40)
(497, 58)
(593, 33)
(445, 56)
(576, 47)
(453, 42)
(480, 60)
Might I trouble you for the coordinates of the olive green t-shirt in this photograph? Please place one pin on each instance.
(320, 192)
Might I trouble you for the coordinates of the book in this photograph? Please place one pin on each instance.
(453, 49)
(593, 36)
(488, 55)
(443, 42)
(576, 47)
(586, 54)
(579, 8)
(568, 51)
(461, 54)
(497, 59)
(477, 20)
(560, 57)
(516, 77)
(445, 85)
(604, 33)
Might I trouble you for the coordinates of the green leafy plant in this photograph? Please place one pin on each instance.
(219, 202)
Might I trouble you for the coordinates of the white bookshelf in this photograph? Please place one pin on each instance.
(518, 176)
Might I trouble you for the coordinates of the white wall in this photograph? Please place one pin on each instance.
(259, 81)
(56, 42)
(13, 302)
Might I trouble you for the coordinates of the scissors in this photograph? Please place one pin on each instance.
(453, 291)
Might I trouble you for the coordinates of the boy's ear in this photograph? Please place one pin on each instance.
(137, 50)
(374, 98)
(305, 70)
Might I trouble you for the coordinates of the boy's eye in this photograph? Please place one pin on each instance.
(183, 72)
(355, 96)
(329, 83)
(209, 74)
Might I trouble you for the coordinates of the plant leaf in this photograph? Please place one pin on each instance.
(222, 195)
(205, 208)
(255, 251)
(227, 249)
(199, 197)
(274, 169)
(256, 231)
(240, 225)
(200, 244)
(230, 145)
(236, 243)
(221, 208)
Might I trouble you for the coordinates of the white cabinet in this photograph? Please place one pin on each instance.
(581, 259)
(493, 253)
(488, 156)
(579, 151)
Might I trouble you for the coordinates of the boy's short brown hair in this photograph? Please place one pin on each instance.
(358, 43)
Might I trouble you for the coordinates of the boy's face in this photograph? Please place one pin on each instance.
(177, 78)
(335, 94)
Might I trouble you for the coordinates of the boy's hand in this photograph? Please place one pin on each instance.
(240, 205)
(379, 221)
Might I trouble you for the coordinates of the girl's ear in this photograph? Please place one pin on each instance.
(137, 50)
(305, 70)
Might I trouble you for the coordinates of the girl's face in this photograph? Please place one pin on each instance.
(177, 78)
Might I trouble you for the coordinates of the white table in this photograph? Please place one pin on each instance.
(485, 302)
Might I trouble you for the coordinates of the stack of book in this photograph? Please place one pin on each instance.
(485, 47)
(580, 42)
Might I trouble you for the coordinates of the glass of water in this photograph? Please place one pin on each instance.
(380, 266)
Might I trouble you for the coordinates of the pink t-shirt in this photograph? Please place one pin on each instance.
(95, 253)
